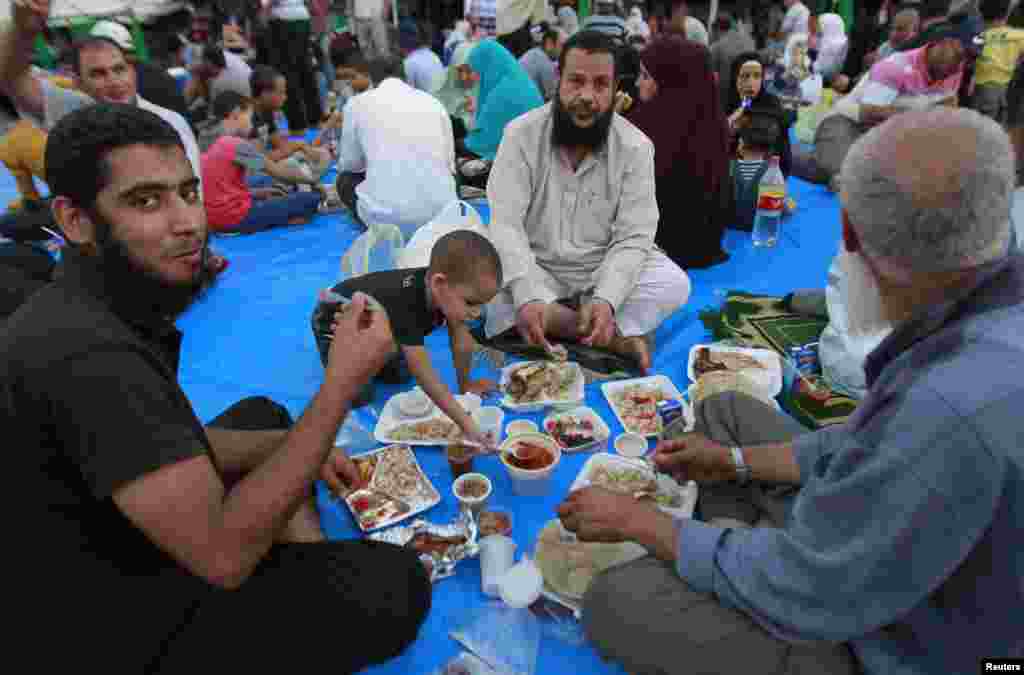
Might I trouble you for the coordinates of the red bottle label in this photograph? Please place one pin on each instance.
(767, 202)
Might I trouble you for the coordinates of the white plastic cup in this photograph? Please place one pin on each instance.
(629, 444)
(474, 504)
(521, 585)
(496, 555)
(489, 419)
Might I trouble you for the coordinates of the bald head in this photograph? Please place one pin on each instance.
(930, 192)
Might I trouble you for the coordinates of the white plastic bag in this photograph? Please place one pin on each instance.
(376, 250)
(506, 639)
(458, 215)
(465, 664)
(810, 89)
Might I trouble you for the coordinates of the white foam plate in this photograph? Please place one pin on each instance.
(688, 493)
(611, 389)
(768, 380)
(392, 417)
(575, 396)
(417, 506)
(601, 430)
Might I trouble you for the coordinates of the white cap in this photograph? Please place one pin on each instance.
(114, 32)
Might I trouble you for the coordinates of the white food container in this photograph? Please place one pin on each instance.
(767, 379)
(575, 396)
(611, 391)
(525, 482)
(601, 431)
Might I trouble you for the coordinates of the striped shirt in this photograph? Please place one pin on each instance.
(748, 168)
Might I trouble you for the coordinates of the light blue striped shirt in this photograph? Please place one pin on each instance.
(906, 538)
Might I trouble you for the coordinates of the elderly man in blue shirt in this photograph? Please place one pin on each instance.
(889, 545)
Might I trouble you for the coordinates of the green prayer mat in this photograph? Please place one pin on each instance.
(764, 321)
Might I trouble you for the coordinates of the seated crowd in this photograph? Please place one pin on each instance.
(613, 154)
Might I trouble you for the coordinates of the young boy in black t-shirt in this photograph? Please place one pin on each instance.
(463, 276)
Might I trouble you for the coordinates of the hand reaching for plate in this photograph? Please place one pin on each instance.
(481, 441)
(340, 473)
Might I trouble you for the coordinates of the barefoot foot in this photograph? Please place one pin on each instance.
(637, 348)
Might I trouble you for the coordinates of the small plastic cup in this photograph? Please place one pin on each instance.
(489, 419)
(415, 403)
(629, 444)
(520, 427)
(460, 459)
(497, 553)
(473, 503)
(521, 585)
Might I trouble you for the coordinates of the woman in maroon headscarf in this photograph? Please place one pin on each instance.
(684, 119)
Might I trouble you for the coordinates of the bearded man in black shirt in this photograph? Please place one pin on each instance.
(159, 545)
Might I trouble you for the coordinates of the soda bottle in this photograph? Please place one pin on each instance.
(771, 197)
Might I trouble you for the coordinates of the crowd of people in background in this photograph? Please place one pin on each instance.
(614, 150)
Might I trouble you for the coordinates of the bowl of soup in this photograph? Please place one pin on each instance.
(530, 460)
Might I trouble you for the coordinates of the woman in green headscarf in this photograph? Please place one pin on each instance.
(506, 92)
(457, 88)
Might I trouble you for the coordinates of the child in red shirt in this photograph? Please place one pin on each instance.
(233, 206)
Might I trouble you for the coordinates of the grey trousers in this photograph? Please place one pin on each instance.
(832, 140)
(645, 617)
(990, 100)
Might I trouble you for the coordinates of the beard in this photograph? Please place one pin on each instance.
(862, 295)
(567, 133)
(136, 285)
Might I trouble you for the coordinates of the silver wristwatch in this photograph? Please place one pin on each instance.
(742, 468)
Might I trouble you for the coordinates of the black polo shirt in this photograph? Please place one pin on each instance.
(89, 400)
(403, 295)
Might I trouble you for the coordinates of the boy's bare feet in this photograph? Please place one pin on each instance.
(298, 220)
(638, 348)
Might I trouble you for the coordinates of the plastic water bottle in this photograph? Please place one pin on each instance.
(771, 198)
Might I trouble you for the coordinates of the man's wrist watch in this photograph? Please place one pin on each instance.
(742, 468)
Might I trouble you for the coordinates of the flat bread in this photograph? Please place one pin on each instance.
(721, 381)
(569, 568)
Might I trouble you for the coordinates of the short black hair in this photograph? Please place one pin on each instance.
(762, 130)
(355, 60)
(1015, 98)
(385, 67)
(78, 146)
(994, 10)
(228, 102)
(213, 55)
(262, 79)
(674, 5)
(594, 42)
(465, 256)
(549, 34)
(933, 9)
(89, 42)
